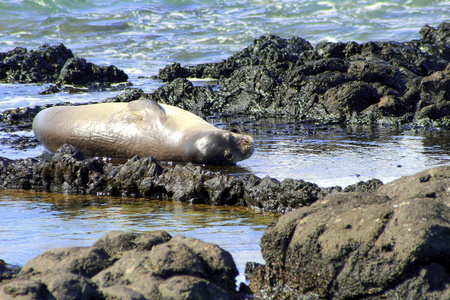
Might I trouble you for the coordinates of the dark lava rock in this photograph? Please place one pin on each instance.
(68, 171)
(125, 265)
(386, 83)
(35, 66)
(55, 64)
(128, 95)
(80, 72)
(269, 194)
(266, 50)
(392, 243)
(434, 100)
(182, 93)
(19, 118)
(172, 72)
(440, 35)
(7, 271)
(364, 186)
(370, 83)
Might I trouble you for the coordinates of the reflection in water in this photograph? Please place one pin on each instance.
(33, 222)
(335, 155)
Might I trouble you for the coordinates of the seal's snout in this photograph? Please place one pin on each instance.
(246, 146)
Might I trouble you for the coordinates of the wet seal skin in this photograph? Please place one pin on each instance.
(141, 127)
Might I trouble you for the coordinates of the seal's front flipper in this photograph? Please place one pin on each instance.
(147, 109)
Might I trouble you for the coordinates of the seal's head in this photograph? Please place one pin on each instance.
(224, 147)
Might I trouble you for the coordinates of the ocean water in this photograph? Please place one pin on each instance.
(141, 37)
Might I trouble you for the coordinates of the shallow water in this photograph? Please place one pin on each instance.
(141, 37)
(342, 156)
(33, 222)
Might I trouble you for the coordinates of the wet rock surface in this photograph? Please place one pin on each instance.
(391, 243)
(349, 83)
(125, 265)
(58, 65)
(68, 171)
(36, 66)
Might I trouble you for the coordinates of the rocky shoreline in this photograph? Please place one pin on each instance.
(388, 243)
(69, 172)
(382, 83)
(373, 83)
(370, 241)
(60, 67)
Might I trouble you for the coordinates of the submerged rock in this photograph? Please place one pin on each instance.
(392, 243)
(125, 265)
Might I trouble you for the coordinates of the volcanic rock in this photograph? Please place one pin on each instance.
(392, 243)
(125, 265)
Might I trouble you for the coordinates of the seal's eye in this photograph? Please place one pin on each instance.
(229, 155)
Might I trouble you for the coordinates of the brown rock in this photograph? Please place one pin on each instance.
(357, 245)
(124, 265)
(429, 184)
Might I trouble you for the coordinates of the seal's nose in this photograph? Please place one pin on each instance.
(247, 146)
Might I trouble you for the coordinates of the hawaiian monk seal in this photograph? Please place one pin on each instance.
(142, 127)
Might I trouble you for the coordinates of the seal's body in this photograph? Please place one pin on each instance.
(141, 127)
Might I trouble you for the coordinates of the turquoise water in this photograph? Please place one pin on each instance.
(142, 37)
